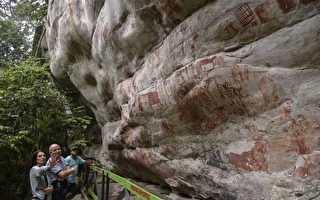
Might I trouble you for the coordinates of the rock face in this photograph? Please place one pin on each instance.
(215, 99)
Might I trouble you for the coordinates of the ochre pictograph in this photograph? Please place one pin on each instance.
(253, 160)
(153, 98)
(231, 29)
(261, 12)
(286, 5)
(232, 94)
(244, 14)
(105, 32)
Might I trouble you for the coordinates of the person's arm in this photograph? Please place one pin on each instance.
(61, 172)
(53, 161)
(65, 173)
(48, 189)
(89, 163)
(80, 160)
(85, 162)
(39, 171)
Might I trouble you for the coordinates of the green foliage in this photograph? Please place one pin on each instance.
(80, 144)
(33, 11)
(14, 45)
(33, 115)
(21, 23)
(80, 122)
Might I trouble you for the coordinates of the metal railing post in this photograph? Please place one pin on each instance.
(95, 186)
(107, 187)
(86, 177)
(103, 186)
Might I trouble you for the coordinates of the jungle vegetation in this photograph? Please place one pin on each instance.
(34, 113)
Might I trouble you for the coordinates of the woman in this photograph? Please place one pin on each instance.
(40, 186)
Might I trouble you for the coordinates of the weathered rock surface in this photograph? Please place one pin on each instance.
(215, 99)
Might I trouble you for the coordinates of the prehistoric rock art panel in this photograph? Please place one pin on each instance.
(203, 97)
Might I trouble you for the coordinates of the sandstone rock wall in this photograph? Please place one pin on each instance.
(215, 99)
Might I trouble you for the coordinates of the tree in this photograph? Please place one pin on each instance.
(13, 42)
(34, 12)
(21, 26)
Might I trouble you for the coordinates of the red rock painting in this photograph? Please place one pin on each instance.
(219, 61)
(306, 170)
(244, 14)
(240, 74)
(206, 65)
(298, 136)
(250, 127)
(310, 167)
(254, 160)
(194, 40)
(232, 94)
(198, 109)
(202, 65)
(286, 110)
(169, 150)
(269, 90)
(153, 98)
(261, 12)
(226, 90)
(231, 29)
(171, 8)
(105, 32)
(286, 5)
(219, 118)
(168, 127)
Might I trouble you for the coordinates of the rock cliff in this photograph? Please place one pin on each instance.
(214, 99)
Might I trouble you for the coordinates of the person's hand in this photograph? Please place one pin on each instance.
(48, 189)
(91, 163)
(54, 160)
(71, 169)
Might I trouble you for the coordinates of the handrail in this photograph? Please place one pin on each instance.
(130, 186)
(93, 195)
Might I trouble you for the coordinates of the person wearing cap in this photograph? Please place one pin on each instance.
(74, 160)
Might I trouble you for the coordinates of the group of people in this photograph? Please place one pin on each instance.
(55, 178)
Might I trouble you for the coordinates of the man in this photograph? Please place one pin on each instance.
(74, 160)
(58, 173)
